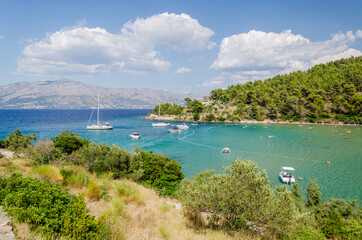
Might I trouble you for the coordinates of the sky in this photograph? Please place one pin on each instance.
(178, 46)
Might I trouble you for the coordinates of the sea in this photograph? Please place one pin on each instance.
(330, 154)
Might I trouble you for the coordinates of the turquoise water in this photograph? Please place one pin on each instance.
(199, 148)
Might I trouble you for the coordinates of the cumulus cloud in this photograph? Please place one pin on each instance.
(217, 81)
(262, 53)
(183, 70)
(83, 50)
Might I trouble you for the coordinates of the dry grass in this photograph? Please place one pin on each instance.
(48, 172)
(154, 219)
(22, 231)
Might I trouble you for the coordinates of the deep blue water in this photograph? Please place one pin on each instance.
(270, 146)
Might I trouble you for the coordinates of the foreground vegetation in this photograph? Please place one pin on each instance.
(238, 204)
(325, 93)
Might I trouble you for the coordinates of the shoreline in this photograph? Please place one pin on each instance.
(174, 118)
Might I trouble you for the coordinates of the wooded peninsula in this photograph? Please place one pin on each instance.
(326, 93)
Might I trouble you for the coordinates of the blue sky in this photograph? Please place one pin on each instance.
(180, 46)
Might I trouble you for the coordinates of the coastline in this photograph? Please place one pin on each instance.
(174, 118)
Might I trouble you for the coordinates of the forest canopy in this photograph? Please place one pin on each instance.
(326, 91)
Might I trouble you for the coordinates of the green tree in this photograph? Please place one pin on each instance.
(69, 142)
(196, 106)
(239, 198)
(314, 195)
(17, 141)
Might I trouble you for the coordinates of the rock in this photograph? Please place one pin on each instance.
(5, 229)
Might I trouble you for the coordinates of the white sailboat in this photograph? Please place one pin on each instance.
(160, 124)
(99, 125)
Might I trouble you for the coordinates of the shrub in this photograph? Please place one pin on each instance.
(16, 141)
(3, 144)
(196, 116)
(156, 170)
(96, 192)
(69, 142)
(48, 208)
(210, 117)
(239, 198)
(45, 152)
(221, 119)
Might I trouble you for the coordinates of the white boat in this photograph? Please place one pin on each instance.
(286, 175)
(135, 135)
(174, 130)
(195, 123)
(160, 124)
(99, 125)
(182, 126)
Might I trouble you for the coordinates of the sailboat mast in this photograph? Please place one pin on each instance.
(98, 111)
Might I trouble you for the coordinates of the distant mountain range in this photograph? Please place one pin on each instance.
(67, 94)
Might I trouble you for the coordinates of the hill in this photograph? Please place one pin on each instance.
(67, 94)
(326, 93)
(332, 90)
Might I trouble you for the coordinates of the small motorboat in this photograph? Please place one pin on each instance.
(182, 126)
(226, 150)
(301, 178)
(135, 135)
(160, 124)
(194, 123)
(174, 130)
(286, 175)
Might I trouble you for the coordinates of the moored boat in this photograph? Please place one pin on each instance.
(161, 124)
(182, 126)
(99, 125)
(174, 130)
(286, 175)
(135, 135)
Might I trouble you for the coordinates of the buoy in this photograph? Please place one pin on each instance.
(178, 138)
(349, 131)
(308, 138)
(269, 154)
(328, 162)
(260, 137)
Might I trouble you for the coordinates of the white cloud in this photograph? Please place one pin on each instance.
(359, 34)
(217, 81)
(183, 70)
(1, 36)
(83, 50)
(276, 53)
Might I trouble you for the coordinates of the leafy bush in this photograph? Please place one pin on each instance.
(69, 142)
(3, 144)
(196, 116)
(45, 152)
(210, 117)
(156, 170)
(16, 141)
(48, 208)
(97, 192)
(241, 198)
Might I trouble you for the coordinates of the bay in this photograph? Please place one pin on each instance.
(199, 148)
